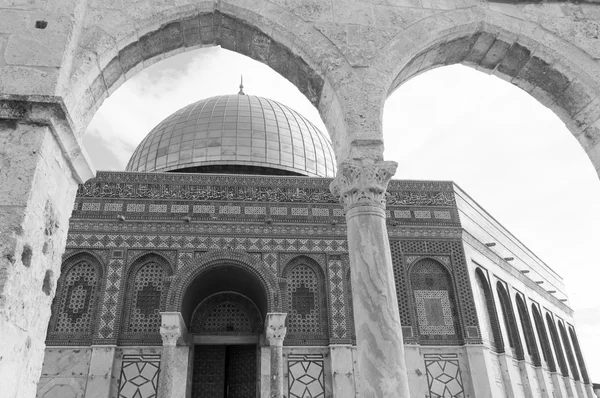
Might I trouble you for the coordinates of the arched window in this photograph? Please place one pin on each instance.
(557, 347)
(510, 323)
(575, 342)
(530, 342)
(435, 304)
(567, 345)
(543, 337)
(490, 330)
(305, 302)
(143, 299)
(75, 305)
(226, 313)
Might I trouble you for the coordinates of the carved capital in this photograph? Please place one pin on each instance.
(363, 183)
(172, 329)
(275, 329)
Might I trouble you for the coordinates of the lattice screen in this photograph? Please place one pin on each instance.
(144, 309)
(75, 302)
(226, 313)
(305, 303)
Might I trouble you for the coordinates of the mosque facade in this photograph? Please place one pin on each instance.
(217, 265)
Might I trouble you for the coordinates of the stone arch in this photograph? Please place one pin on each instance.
(226, 313)
(91, 300)
(145, 328)
(510, 321)
(490, 308)
(305, 325)
(530, 342)
(543, 337)
(580, 361)
(212, 260)
(552, 70)
(118, 43)
(562, 363)
(431, 280)
(569, 350)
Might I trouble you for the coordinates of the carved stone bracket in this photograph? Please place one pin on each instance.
(275, 329)
(172, 329)
(363, 183)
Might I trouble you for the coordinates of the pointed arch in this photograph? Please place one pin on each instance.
(489, 313)
(543, 337)
(144, 298)
(435, 302)
(305, 302)
(75, 306)
(557, 346)
(530, 342)
(510, 323)
(569, 350)
(582, 368)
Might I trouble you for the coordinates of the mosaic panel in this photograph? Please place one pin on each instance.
(306, 376)
(180, 208)
(271, 260)
(136, 207)
(339, 325)
(198, 242)
(299, 211)
(87, 206)
(279, 211)
(206, 209)
(113, 207)
(402, 213)
(106, 329)
(434, 312)
(157, 208)
(320, 212)
(76, 301)
(139, 376)
(338, 212)
(442, 214)
(229, 210)
(444, 379)
(255, 210)
(422, 214)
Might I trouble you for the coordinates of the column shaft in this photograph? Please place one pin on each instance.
(380, 350)
(275, 331)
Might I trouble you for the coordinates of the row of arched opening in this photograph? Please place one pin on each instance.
(546, 343)
(90, 303)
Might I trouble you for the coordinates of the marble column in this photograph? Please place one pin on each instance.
(174, 360)
(275, 331)
(361, 186)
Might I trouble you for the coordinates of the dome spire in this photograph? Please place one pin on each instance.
(242, 85)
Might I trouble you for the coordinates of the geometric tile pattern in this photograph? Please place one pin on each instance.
(339, 326)
(139, 376)
(168, 241)
(106, 329)
(271, 260)
(306, 378)
(428, 301)
(443, 376)
(302, 294)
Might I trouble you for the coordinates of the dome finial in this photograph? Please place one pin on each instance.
(242, 85)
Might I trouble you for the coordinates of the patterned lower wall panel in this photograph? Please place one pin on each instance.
(443, 376)
(306, 376)
(139, 376)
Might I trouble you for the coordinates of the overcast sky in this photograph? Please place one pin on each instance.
(507, 151)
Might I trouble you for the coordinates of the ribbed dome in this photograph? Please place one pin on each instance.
(242, 131)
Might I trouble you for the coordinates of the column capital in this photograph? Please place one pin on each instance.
(275, 329)
(172, 329)
(363, 182)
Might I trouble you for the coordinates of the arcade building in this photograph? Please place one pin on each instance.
(216, 265)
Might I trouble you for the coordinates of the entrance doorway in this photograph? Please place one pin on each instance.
(224, 371)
